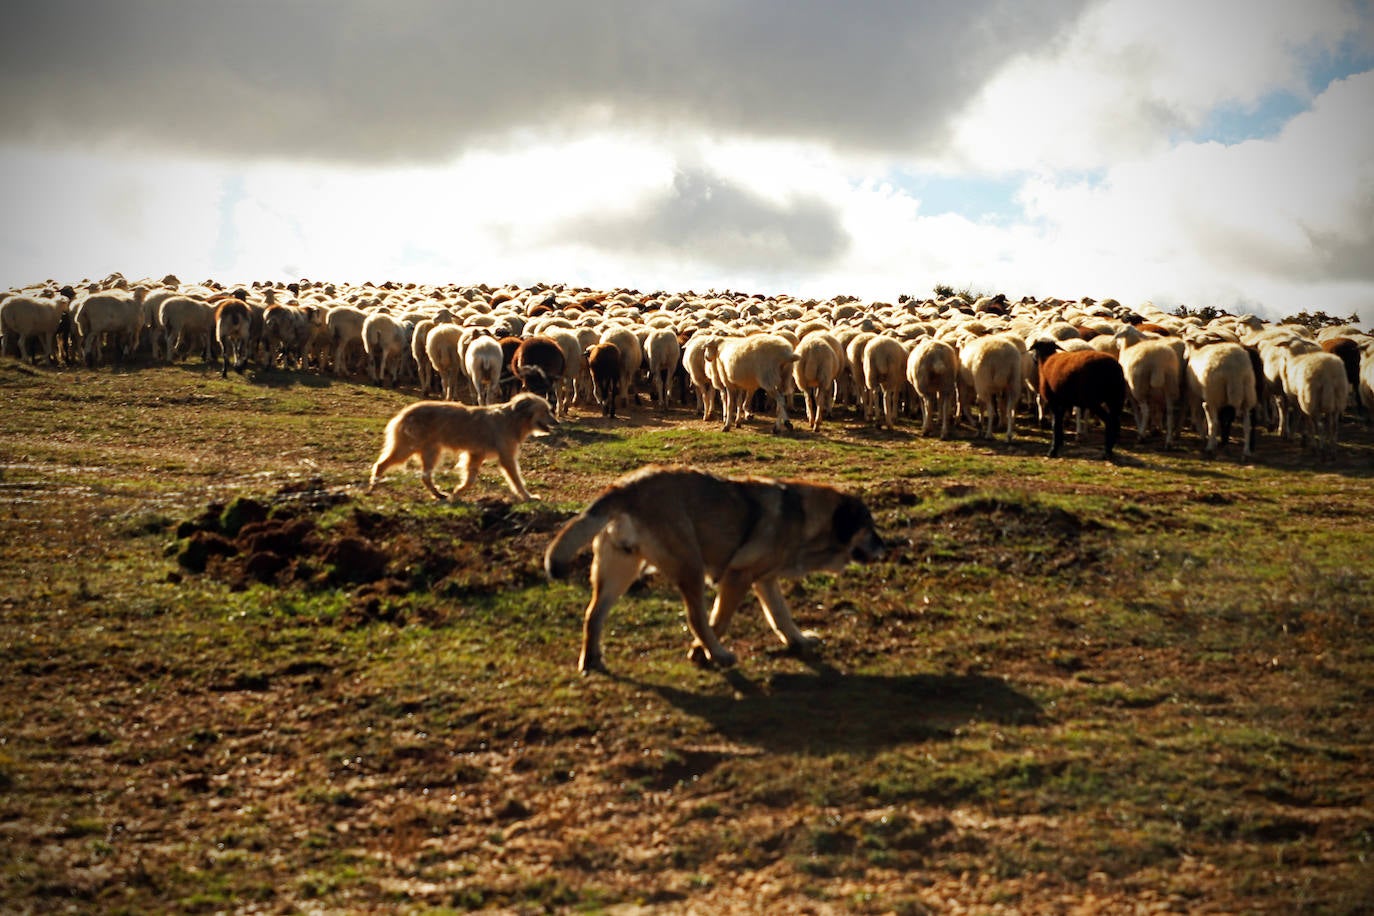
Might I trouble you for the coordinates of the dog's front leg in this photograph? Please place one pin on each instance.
(706, 648)
(780, 618)
(510, 468)
(733, 588)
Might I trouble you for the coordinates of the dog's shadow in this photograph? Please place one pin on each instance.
(825, 711)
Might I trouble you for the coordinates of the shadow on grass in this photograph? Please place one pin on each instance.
(825, 711)
(288, 378)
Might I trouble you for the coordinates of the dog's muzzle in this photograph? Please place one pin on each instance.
(869, 549)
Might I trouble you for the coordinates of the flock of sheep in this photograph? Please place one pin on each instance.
(945, 361)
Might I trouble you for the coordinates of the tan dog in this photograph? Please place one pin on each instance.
(431, 428)
(741, 532)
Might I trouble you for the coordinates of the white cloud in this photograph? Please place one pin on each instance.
(74, 215)
(1134, 75)
(1284, 221)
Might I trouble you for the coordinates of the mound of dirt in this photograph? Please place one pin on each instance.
(287, 541)
(1024, 537)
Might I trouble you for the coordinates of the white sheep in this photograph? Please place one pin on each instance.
(631, 358)
(184, 319)
(345, 324)
(115, 314)
(990, 375)
(1273, 359)
(748, 364)
(25, 317)
(846, 385)
(1221, 384)
(662, 352)
(286, 334)
(1317, 382)
(932, 370)
(444, 350)
(233, 333)
(852, 386)
(321, 342)
(151, 333)
(386, 344)
(584, 391)
(817, 365)
(698, 367)
(1154, 372)
(1366, 381)
(424, 369)
(484, 361)
(884, 374)
(574, 363)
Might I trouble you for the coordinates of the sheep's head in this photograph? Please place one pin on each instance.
(535, 380)
(1043, 349)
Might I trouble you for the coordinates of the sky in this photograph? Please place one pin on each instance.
(1181, 152)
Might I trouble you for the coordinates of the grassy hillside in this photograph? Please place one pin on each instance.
(1142, 684)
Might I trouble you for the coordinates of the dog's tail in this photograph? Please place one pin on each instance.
(578, 533)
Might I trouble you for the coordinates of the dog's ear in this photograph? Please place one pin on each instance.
(851, 516)
(527, 404)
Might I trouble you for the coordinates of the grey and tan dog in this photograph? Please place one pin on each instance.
(743, 533)
(430, 429)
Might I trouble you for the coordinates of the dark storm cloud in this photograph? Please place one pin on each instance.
(706, 219)
(412, 80)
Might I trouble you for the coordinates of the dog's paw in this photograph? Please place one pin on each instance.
(810, 641)
(699, 657)
(589, 664)
(722, 659)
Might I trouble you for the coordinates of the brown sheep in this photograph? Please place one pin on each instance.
(1088, 379)
(604, 362)
(509, 344)
(538, 363)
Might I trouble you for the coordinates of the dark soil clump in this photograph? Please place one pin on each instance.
(285, 541)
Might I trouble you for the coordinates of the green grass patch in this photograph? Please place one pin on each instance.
(1068, 678)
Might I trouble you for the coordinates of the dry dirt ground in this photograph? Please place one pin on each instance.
(234, 682)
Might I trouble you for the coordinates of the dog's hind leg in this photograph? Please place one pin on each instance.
(469, 463)
(510, 469)
(780, 618)
(389, 459)
(429, 459)
(614, 569)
